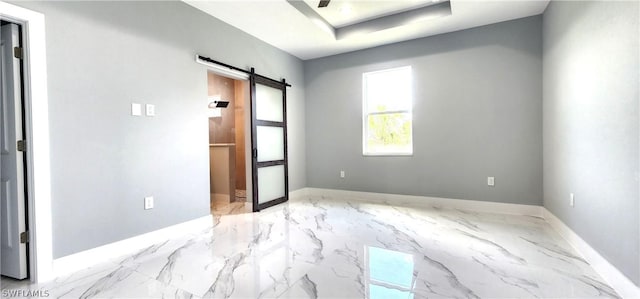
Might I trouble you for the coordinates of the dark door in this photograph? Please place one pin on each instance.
(269, 142)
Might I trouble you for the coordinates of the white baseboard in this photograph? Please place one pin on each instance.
(297, 194)
(85, 259)
(426, 201)
(623, 286)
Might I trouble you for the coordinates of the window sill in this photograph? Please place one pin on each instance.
(387, 154)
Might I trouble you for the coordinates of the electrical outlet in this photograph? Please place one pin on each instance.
(491, 181)
(148, 203)
(572, 200)
(342, 174)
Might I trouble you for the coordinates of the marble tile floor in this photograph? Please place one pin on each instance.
(230, 208)
(323, 247)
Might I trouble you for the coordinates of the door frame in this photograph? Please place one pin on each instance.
(240, 77)
(36, 120)
(240, 74)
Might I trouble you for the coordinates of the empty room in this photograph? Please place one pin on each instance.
(320, 149)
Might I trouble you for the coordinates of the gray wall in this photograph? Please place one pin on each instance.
(591, 122)
(477, 113)
(101, 57)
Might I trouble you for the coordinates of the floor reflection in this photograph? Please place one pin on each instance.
(390, 273)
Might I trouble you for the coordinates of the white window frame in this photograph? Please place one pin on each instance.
(365, 114)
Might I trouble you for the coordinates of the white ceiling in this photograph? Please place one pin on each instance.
(280, 24)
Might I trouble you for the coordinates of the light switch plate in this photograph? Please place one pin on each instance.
(148, 202)
(491, 181)
(150, 110)
(136, 109)
(572, 200)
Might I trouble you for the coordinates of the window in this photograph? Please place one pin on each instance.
(387, 117)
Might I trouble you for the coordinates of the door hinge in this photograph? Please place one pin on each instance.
(22, 145)
(17, 52)
(24, 237)
(255, 153)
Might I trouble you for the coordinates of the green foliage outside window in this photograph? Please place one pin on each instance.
(389, 131)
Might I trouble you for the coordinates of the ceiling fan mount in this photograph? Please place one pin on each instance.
(323, 3)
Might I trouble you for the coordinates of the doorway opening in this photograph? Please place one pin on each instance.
(265, 143)
(13, 178)
(229, 145)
